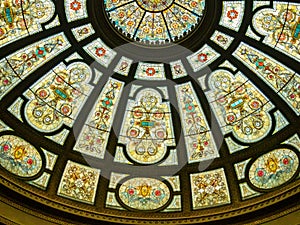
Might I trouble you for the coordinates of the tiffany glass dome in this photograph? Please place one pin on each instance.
(150, 111)
(155, 21)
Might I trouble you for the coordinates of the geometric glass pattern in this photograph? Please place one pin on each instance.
(150, 111)
(155, 22)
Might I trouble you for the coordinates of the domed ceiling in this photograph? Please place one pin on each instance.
(150, 111)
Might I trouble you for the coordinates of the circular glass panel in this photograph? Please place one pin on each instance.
(155, 21)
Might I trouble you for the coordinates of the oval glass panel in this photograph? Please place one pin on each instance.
(144, 193)
(274, 168)
(19, 157)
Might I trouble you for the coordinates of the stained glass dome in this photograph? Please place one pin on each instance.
(150, 111)
(155, 21)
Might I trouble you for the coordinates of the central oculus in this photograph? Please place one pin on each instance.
(154, 5)
(154, 22)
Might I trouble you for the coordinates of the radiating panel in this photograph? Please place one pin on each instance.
(281, 25)
(278, 76)
(94, 135)
(239, 106)
(20, 20)
(23, 62)
(181, 21)
(147, 128)
(198, 137)
(196, 6)
(152, 28)
(58, 97)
